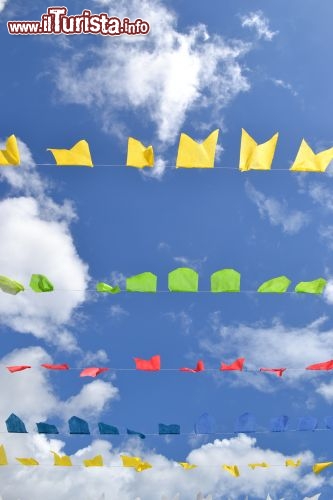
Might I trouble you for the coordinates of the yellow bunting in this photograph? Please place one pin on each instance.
(292, 463)
(94, 462)
(138, 155)
(78, 155)
(63, 461)
(3, 456)
(232, 469)
(192, 154)
(321, 466)
(27, 461)
(135, 462)
(262, 464)
(255, 156)
(187, 466)
(11, 154)
(307, 161)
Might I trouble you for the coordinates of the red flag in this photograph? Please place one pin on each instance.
(92, 372)
(278, 371)
(55, 367)
(19, 368)
(152, 364)
(199, 368)
(327, 365)
(236, 365)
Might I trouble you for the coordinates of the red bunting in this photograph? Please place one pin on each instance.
(327, 365)
(152, 364)
(199, 368)
(236, 365)
(55, 367)
(92, 372)
(19, 368)
(278, 371)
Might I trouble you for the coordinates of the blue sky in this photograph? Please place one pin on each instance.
(263, 67)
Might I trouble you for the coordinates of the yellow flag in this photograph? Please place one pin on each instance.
(232, 469)
(187, 466)
(3, 456)
(10, 155)
(255, 156)
(139, 155)
(263, 464)
(27, 461)
(78, 155)
(307, 161)
(94, 462)
(63, 461)
(321, 466)
(135, 462)
(143, 466)
(192, 154)
(292, 463)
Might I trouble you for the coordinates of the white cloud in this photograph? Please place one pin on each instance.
(277, 212)
(321, 194)
(161, 76)
(188, 262)
(285, 85)
(183, 318)
(92, 399)
(117, 311)
(260, 24)
(2, 5)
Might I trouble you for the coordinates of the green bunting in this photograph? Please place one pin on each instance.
(105, 288)
(225, 280)
(275, 285)
(144, 282)
(10, 286)
(315, 286)
(183, 279)
(40, 283)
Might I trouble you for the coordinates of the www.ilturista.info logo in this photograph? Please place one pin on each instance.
(57, 22)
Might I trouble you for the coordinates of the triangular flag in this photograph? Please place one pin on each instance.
(105, 288)
(192, 154)
(199, 368)
(139, 155)
(315, 286)
(64, 366)
(10, 155)
(262, 464)
(92, 372)
(94, 462)
(62, 461)
(18, 368)
(255, 156)
(277, 371)
(27, 461)
(326, 365)
(317, 468)
(152, 364)
(10, 286)
(232, 469)
(78, 155)
(187, 466)
(40, 283)
(136, 433)
(307, 161)
(235, 366)
(3, 456)
(275, 285)
(292, 463)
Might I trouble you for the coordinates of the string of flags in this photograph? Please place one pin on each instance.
(245, 423)
(153, 364)
(181, 279)
(191, 154)
(139, 465)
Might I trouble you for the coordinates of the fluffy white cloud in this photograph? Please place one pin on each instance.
(2, 5)
(162, 76)
(260, 24)
(277, 212)
(35, 238)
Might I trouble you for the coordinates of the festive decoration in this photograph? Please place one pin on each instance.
(139, 155)
(255, 156)
(10, 155)
(78, 155)
(192, 154)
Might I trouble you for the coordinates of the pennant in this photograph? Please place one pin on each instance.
(279, 424)
(275, 285)
(277, 371)
(292, 463)
(94, 462)
(307, 161)
(307, 424)
(183, 279)
(107, 429)
(61, 461)
(3, 456)
(144, 282)
(262, 464)
(92, 372)
(152, 364)
(78, 155)
(10, 286)
(316, 286)
(232, 469)
(225, 280)
(199, 368)
(45, 428)
(235, 366)
(40, 283)
(135, 433)
(105, 288)
(29, 462)
(326, 365)
(254, 156)
(15, 424)
(18, 368)
(11, 154)
(317, 468)
(205, 424)
(245, 423)
(192, 154)
(136, 463)
(139, 155)
(168, 429)
(187, 466)
(63, 366)
(78, 426)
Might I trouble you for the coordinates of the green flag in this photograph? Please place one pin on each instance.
(225, 280)
(275, 285)
(105, 288)
(40, 283)
(315, 286)
(144, 282)
(183, 279)
(10, 286)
